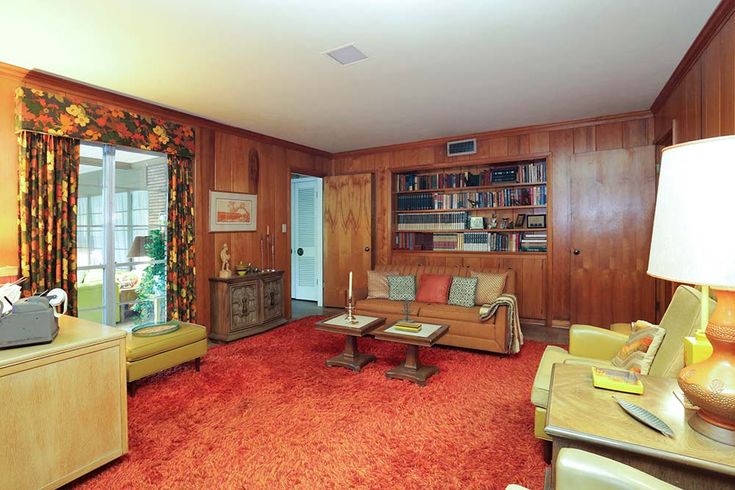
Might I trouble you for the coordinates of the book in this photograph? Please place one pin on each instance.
(617, 380)
(407, 326)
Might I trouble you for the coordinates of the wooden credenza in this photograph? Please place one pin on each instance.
(246, 305)
(64, 406)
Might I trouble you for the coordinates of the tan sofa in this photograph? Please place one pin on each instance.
(465, 327)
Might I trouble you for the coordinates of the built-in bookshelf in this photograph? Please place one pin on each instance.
(475, 208)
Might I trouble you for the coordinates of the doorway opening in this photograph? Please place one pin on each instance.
(306, 238)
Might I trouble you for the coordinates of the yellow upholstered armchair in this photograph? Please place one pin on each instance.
(597, 346)
(579, 469)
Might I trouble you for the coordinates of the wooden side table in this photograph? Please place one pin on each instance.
(583, 417)
(65, 410)
(411, 368)
(351, 357)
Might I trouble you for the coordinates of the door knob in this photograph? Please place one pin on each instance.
(367, 249)
(576, 251)
(300, 251)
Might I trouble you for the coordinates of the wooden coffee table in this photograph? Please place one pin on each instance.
(411, 369)
(351, 357)
(583, 417)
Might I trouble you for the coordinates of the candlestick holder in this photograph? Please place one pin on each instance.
(350, 316)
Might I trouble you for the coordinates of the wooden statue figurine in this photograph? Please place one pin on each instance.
(224, 256)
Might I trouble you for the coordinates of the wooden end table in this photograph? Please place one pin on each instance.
(583, 417)
(411, 369)
(351, 357)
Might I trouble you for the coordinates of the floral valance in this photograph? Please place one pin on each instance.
(45, 112)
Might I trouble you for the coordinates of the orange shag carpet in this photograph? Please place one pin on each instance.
(265, 412)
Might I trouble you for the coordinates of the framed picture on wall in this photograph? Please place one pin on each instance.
(230, 211)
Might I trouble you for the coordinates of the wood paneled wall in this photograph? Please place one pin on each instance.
(561, 142)
(699, 99)
(222, 159)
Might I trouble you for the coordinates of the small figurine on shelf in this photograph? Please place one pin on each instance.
(504, 224)
(224, 256)
(493, 222)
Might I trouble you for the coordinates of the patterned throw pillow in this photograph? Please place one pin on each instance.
(462, 292)
(402, 288)
(378, 284)
(490, 285)
(640, 349)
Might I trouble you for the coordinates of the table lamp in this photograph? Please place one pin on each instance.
(137, 248)
(694, 242)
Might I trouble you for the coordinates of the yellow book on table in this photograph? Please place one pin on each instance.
(408, 326)
(617, 380)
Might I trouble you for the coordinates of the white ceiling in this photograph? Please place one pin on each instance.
(435, 68)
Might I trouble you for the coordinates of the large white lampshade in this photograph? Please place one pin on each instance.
(694, 226)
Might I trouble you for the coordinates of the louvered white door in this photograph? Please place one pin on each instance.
(306, 238)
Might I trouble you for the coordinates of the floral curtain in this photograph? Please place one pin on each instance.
(180, 291)
(46, 112)
(48, 168)
(38, 111)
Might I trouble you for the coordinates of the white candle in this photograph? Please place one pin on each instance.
(268, 230)
(349, 292)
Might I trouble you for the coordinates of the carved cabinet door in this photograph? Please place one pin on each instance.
(244, 304)
(272, 298)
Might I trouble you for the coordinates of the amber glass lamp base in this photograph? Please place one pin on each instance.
(710, 384)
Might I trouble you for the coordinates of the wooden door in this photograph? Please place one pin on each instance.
(348, 232)
(613, 197)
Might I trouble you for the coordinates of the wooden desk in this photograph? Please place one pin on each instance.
(64, 406)
(583, 417)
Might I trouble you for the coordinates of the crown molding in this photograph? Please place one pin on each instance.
(711, 28)
(575, 123)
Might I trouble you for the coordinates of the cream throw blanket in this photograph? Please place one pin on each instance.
(515, 336)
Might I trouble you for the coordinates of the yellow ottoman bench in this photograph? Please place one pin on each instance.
(149, 355)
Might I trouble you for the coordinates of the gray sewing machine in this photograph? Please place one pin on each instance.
(31, 321)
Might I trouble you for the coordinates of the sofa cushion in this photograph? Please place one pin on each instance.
(433, 289)
(489, 286)
(552, 355)
(381, 306)
(640, 349)
(378, 284)
(141, 347)
(402, 288)
(462, 291)
(451, 312)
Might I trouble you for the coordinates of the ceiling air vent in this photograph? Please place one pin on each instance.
(461, 147)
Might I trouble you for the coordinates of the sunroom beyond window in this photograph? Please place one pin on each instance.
(121, 235)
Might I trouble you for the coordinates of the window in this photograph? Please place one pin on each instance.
(121, 235)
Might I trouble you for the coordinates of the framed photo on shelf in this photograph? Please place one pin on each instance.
(477, 223)
(230, 211)
(520, 220)
(536, 221)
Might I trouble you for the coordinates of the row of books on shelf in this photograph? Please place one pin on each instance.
(472, 242)
(526, 173)
(516, 196)
(534, 241)
(434, 221)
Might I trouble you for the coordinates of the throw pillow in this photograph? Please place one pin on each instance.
(640, 349)
(433, 289)
(402, 288)
(462, 292)
(378, 284)
(490, 285)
